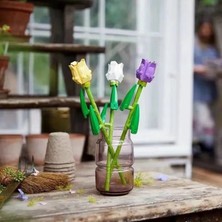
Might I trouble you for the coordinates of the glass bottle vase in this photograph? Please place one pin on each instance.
(115, 177)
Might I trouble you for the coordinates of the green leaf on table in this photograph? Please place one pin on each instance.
(91, 199)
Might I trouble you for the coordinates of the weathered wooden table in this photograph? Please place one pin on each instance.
(176, 200)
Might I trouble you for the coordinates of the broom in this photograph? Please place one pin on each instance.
(30, 181)
(42, 182)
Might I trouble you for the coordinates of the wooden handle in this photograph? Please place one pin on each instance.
(7, 192)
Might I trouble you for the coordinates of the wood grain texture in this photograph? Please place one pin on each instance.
(80, 4)
(32, 102)
(66, 48)
(206, 177)
(176, 199)
(6, 193)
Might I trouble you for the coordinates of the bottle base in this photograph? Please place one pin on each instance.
(117, 186)
(114, 193)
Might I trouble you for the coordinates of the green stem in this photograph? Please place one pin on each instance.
(103, 128)
(127, 125)
(108, 162)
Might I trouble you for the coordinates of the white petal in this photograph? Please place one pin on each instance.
(115, 72)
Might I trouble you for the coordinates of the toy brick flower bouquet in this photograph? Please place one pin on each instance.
(114, 151)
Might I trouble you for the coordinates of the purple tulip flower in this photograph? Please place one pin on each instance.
(146, 71)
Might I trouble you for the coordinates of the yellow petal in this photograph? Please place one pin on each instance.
(80, 72)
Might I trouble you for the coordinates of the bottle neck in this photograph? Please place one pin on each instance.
(117, 132)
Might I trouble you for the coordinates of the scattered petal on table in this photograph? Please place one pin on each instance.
(161, 177)
(72, 191)
(22, 195)
(42, 203)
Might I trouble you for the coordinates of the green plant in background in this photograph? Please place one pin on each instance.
(3, 48)
(4, 32)
(209, 2)
(4, 29)
(16, 175)
(2, 187)
(123, 11)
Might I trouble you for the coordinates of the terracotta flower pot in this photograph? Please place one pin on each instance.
(77, 143)
(36, 145)
(16, 15)
(10, 149)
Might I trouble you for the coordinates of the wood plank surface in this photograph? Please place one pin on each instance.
(79, 4)
(176, 197)
(66, 48)
(34, 102)
(206, 176)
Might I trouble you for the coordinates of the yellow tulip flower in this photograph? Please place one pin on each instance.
(81, 74)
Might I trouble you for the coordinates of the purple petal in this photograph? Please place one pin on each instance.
(162, 177)
(146, 71)
(22, 195)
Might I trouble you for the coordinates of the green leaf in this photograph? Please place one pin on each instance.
(83, 104)
(126, 101)
(103, 113)
(135, 120)
(209, 2)
(93, 121)
(114, 98)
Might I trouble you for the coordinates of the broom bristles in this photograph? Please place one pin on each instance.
(43, 182)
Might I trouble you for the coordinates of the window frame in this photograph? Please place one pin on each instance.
(173, 137)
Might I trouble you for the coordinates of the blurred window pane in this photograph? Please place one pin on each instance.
(94, 14)
(129, 30)
(41, 15)
(121, 14)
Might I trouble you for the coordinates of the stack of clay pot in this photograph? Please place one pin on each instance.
(10, 149)
(59, 155)
(36, 145)
(77, 143)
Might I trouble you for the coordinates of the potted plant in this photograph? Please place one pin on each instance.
(4, 59)
(16, 14)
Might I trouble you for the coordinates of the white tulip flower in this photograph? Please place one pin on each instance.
(115, 72)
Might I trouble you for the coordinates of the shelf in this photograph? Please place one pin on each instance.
(79, 4)
(55, 48)
(36, 102)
